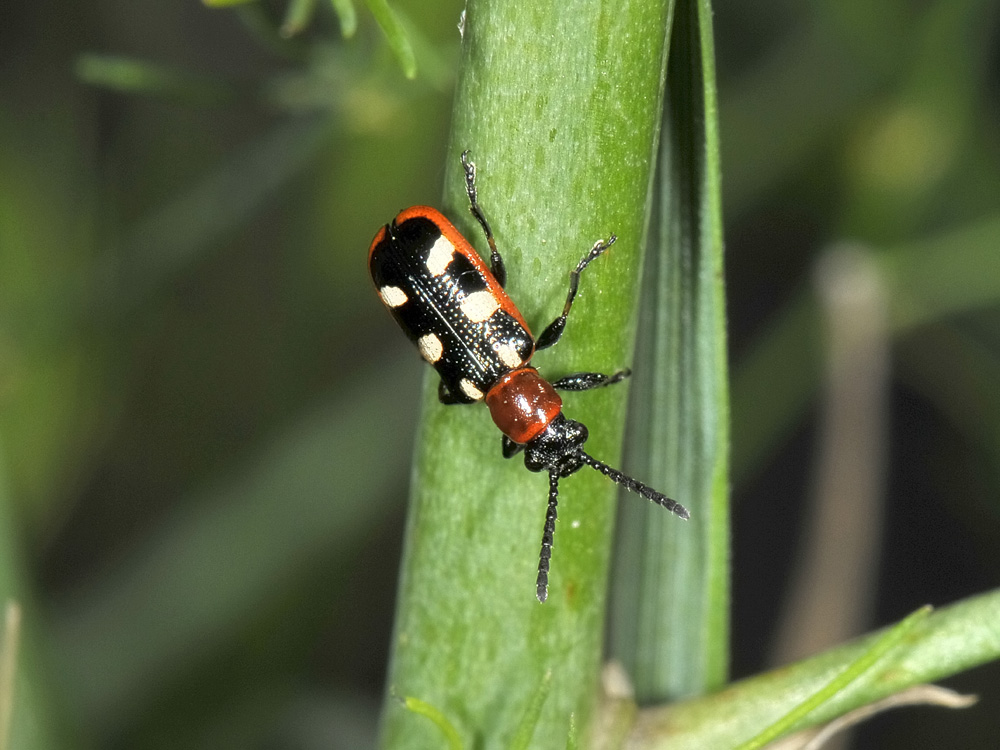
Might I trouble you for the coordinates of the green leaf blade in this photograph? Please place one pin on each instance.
(395, 35)
(671, 628)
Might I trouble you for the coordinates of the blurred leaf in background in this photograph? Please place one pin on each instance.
(193, 383)
(205, 417)
(873, 125)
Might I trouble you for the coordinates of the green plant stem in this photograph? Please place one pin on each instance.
(949, 641)
(559, 103)
(852, 672)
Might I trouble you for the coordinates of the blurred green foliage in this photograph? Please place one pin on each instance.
(205, 417)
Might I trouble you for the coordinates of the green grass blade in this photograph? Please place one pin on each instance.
(297, 16)
(347, 16)
(671, 629)
(422, 708)
(526, 729)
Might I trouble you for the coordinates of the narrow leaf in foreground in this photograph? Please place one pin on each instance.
(858, 667)
(395, 35)
(670, 620)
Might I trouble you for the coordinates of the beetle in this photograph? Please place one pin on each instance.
(456, 311)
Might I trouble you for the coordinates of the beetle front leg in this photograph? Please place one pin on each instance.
(554, 332)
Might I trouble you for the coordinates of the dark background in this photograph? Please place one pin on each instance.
(206, 420)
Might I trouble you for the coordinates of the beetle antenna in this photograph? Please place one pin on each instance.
(634, 485)
(542, 584)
